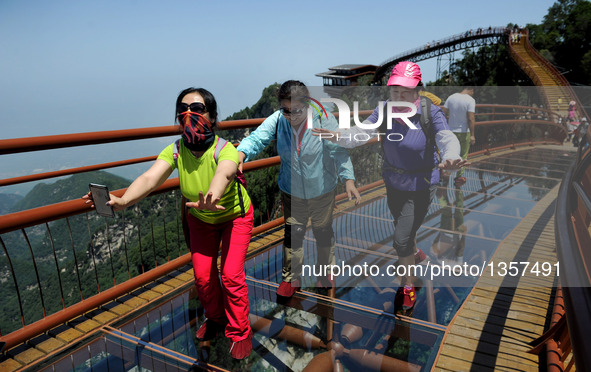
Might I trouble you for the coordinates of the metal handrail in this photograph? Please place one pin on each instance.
(572, 243)
(457, 37)
(550, 67)
(71, 171)
(17, 145)
(480, 33)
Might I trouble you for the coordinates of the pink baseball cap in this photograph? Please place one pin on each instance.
(406, 74)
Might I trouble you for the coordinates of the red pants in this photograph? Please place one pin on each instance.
(230, 298)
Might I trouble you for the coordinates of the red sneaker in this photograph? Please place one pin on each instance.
(209, 330)
(241, 349)
(419, 256)
(406, 297)
(287, 289)
(459, 181)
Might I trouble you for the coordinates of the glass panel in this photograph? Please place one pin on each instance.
(293, 334)
(120, 353)
(519, 169)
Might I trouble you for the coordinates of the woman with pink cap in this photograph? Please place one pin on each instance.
(411, 164)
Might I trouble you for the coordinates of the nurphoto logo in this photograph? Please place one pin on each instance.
(345, 118)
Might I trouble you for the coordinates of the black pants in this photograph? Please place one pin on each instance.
(409, 209)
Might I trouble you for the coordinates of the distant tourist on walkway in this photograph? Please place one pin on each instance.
(460, 109)
(219, 211)
(309, 172)
(581, 131)
(571, 111)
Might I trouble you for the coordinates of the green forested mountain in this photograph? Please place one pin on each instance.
(72, 187)
(262, 185)
(264, 107)
(7, 201)
(85, 252)
(69, 188)
(564, 38)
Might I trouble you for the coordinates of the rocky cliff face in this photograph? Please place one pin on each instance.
(110, 242)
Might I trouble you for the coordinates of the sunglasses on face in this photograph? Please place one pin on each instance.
(196, 107)
(287, 112)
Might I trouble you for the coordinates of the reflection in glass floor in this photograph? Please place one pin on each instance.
(353, 326)
(288, 337)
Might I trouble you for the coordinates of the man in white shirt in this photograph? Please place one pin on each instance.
(460, 109)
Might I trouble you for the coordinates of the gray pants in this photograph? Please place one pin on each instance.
(297, 212)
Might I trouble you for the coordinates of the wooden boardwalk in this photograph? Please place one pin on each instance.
(492, 329)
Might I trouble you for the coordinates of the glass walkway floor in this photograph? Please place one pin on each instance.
(352, 327)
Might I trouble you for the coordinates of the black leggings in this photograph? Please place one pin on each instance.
(409, 209)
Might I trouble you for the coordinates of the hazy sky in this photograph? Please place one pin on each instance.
(80, 66)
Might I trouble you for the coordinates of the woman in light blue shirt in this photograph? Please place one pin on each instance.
(308, 176)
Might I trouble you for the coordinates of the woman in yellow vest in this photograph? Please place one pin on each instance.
(219, 211)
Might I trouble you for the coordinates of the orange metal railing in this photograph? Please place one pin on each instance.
(571, 326)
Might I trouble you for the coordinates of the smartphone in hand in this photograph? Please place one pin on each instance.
(100, 196)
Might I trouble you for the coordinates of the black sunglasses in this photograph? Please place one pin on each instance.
(196, 107)
(285, 111)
